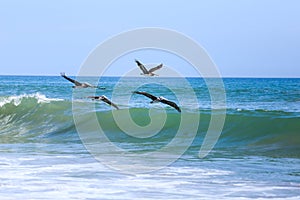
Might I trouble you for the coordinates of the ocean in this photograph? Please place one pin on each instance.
(50, 148)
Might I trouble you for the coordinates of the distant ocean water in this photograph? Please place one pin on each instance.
(256, 157)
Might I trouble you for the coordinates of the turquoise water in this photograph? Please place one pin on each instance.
(42, 155)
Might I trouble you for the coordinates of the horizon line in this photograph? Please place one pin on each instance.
(51, 75)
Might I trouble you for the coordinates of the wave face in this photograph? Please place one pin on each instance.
(32, 117)
(36, 118)
(273, 133)
(262, 114)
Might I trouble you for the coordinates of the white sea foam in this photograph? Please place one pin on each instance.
(17, 99)
(78, 176)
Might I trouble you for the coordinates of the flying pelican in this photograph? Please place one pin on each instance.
(78, 84)
(150, 71)
(159, 99)
(104, 99)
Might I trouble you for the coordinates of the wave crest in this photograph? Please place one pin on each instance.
(16, 100)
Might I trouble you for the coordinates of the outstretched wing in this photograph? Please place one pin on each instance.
(146, 94)
(106, 100)
(71, 80)
(155, 68)
(171, 103)
(94, 97)
(142, 67)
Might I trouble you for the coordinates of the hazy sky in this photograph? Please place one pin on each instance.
(252, 38)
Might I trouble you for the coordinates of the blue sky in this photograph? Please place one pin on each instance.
(249, 38)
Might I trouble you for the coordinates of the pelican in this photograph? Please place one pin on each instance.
(78, 84)
(104, 99)
(159, 99)
(150, 71)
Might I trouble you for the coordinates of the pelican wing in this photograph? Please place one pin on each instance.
(106, 100)
(146, 94)
(171, 103)
(71, 80)
(142, 67)
(155, 68)
(88, 85)
(94, 97)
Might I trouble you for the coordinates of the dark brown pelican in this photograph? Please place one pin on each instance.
(78, 84)
(104, 99)
(159, 99)
(150, 71)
